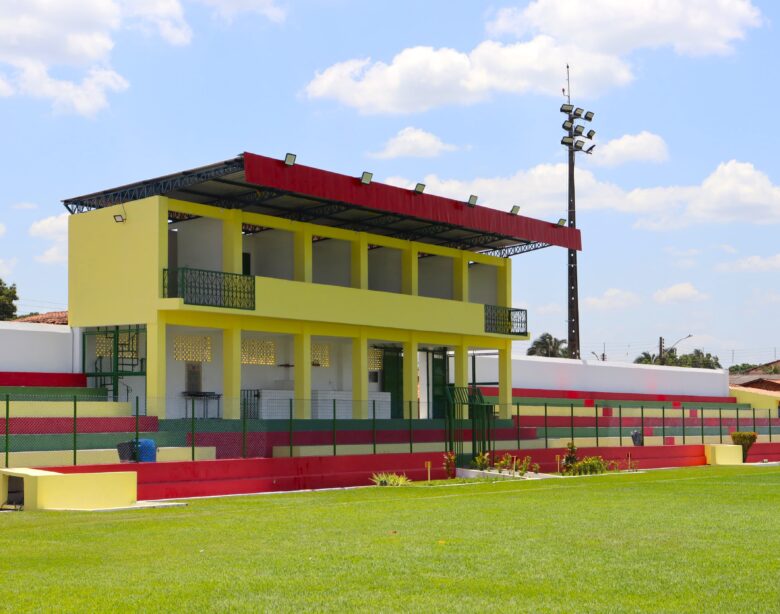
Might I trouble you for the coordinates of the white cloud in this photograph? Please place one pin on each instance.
(683, 258)
(24, 206)
(166, 17)
(729, 249)
(690, 27)
(598, 34)
(55, 230)
(413, 143)
(549, 309)
(228, 9)
(642, 147)
(420, 78)
(679, 293)
(2, 230)
(613, 298)
(756, 264)
(7, 267)
(735, 192)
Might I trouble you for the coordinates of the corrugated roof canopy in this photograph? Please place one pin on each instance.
(265, 185)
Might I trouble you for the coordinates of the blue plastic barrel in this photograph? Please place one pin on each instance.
(147, 451)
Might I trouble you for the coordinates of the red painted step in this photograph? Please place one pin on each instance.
(54, 426)
(588, 395)
(53, 380)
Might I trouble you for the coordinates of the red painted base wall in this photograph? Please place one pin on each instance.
(53, 380)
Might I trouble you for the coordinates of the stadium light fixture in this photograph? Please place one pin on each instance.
(472, 202)
(567, 125)
(578, 145)
(588, 116)
(578, 112)
(591, 134)
(515, 210)
(289, 159)
(578, 130)
(561, 222)
(590, 149)
(567, 140)
(419, 188)
(567, 108)
(366, 177)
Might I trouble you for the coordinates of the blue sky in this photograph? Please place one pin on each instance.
(679, 205)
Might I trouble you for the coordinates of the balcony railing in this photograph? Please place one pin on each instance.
(505, 320)
(210, 288)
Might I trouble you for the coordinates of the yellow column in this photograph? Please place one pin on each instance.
(302, 257)
(410, 377)
(460, 277)
(360, 407)
(461, 366)
(359, 262)
(231, 360)
(409, 269)
(156, 367)
(302, 373)
(505, 380)
(232, 243)
(504, 282)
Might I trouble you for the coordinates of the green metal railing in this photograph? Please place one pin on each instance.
(506, 320)
(210, 288)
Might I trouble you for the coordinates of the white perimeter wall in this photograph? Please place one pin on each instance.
(596, 376)
(45, 348)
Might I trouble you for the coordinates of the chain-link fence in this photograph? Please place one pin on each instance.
(56, 429)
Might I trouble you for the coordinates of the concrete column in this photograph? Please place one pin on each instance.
(231, 358)
(302, 373)
(302, 256)
(232, 243)
(410, 367)
(359, 262)
(504, 283)
(409, 269)
(505, 379)
(156, 360)
(461, 366)
(360, 403)
(460, 277)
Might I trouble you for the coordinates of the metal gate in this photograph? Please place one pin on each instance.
(466, 408)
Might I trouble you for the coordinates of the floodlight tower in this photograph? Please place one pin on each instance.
(575, 140)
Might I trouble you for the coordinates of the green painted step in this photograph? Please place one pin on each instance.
(87, 441)
(52, 393)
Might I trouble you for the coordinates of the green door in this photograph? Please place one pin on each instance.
(439, 381)
(393, 380)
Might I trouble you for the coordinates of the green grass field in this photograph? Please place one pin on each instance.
(687, 540)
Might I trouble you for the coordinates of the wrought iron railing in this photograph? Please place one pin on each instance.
(210, 288)
(506, 320)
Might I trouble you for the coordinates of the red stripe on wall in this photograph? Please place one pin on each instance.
(54, 380)
(492, 391)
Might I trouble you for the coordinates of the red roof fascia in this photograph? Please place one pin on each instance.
(326, 185)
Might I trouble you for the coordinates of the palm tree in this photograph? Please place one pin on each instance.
(547, 345)
(646, 358)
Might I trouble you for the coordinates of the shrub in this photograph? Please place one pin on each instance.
(525, 465)
(450, 466)
(389, 479)
(535, 467)
(590, 465)
(570, 458)
(481, 461)
(744, 439)
(505, 462)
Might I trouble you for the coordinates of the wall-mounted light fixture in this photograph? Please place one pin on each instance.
(419, 188)
(472, 202)
(121, 218)
(366, 177)
(289, 159)
(514, 210)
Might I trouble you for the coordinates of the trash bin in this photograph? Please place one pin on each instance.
(147, 451)
(126, 450)
(638, 438)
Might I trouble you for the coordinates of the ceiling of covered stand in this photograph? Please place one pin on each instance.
(265, 185)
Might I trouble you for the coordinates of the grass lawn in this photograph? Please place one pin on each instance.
(687, 540)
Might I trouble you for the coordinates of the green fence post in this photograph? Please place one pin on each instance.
(596, 412)
(768, 423)
(642, 422)
(290, 426)
(682, 414)
(546, 440)
(192, 419)
(334, 427)
(754, 420)
(373, 424)
(517, 411)
(243, 431)
(620, 424)
(701, 417)
(75, 425)
(7, 430)
(663, 425)
(720, 423)
(411, 437)
(737, 409)
(571, 421)
(135, 453)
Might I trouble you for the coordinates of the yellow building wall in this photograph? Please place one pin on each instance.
(115, 269)
(759, 399)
